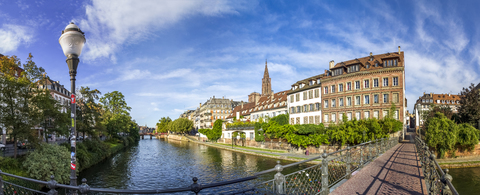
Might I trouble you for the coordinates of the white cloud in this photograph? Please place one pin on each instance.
(12, 36)
(112, 24)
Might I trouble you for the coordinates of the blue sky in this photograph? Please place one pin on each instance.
(169, 56)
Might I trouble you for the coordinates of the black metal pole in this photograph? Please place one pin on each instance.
(72, 61)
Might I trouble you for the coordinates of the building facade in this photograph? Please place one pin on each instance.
(364, 88)
(270, 106)
(424, 103)
(213, 109)
(304, 101)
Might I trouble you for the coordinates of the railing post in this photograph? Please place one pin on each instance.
(1, 184)
(446, 189)
(195, 187)
(279, 179)
(84, 188)
(383, 145)
(52, 184)
(348, 163)
(432, 176)
(361, 155)
(325, 190)
(377, 143)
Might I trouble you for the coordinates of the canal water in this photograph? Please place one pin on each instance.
(466, 180)
(162, 164)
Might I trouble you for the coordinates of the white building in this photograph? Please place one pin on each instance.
(270, 106)
(304, 101)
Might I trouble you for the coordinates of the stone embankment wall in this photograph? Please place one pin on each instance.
(465, 153)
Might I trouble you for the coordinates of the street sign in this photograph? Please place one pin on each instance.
(72, 166)
(73, 99)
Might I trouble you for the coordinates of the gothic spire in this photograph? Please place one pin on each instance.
(265, 74)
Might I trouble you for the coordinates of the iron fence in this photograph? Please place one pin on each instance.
(436, 180)
(327, 170)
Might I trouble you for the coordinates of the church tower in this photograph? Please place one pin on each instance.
(266, 82)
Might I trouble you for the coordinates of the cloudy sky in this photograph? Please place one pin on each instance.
(169, 56)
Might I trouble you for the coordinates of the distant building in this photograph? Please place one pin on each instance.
(213, 109)
(425, 102)
(304, 101)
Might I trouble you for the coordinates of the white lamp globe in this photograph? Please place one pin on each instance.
(72, 40)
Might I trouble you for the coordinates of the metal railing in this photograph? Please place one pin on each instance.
(334, 167)
(316, 179)
(436, 180)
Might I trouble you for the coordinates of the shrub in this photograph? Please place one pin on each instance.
(467, 136)
(441, 134)
(49, 160)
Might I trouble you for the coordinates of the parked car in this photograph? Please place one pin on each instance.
(2, 147)
(23, 144)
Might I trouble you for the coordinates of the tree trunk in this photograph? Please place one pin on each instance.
(14, 147)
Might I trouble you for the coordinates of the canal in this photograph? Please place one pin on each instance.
(466, 180)
(162, 164)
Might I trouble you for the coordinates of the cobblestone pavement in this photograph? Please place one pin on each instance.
(398, 171)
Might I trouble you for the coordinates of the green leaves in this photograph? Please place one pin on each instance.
(181, 125)
(49, 160)
(215, 133)
(162, 125)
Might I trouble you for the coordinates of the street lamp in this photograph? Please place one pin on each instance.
(72, 41)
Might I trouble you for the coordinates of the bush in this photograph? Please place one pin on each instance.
(467, 136)
(441, 133)
(49, 160)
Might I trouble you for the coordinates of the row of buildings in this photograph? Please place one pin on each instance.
(361, 88)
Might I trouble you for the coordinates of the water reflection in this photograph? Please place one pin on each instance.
(466, 180)
(161, 164)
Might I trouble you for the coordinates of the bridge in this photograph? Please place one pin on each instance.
(151, 134)
(382, 166)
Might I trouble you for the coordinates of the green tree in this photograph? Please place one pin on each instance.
(116, 113)
(441, 134)
(17, 113)
(49, 160)
(469, 110)
(181, 125)
(162, 125)
(467, 136)
(52, 120)
(89, 113)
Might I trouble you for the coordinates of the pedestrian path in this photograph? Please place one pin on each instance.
(398, 171)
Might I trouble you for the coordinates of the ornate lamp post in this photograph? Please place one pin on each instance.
(72, 41)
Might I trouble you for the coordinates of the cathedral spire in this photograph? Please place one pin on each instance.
(266, 82)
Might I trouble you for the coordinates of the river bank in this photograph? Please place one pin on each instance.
(460, 162)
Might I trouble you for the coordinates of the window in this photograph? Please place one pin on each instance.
(375, 99)
(353, 68)
(375, 82)
(366, 99)
(298, 109)
(396, 62)
(298, 120)
(251, 136)
(304, 95)
(325, 118)
(375, 114)
(317, 106)
(357, 84)
(349, 86)
(333, 88)
(325, 103)
(357, 100)
(341, 101)
(305, 108)
(310, 94)
(318, 81)
(334, 116)
(310, 83)
(325, 91)
(340, 87)
(366, 114)
(395, 81)
(305, 120)
(395, 98)
(349, 116)
(385, 113)
(310, 120)
(317, 94)
(366, 84)
(349, 101)
(357, 115)
(395, 115)
(368, 65)
(311, 107)
(333, 103)
(376, 64)
(337, 72)
(291, 99)
(385, 98)
(297, 96)
(385, 82)
(292, 110)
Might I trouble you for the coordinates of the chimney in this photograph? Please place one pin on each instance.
(213, 97)
(398, 49)
(448, 94)
(272, 97)
(223, 97)
(431, 94)
(371, 54)
(200, 104)
(242, 104)
(331, 64)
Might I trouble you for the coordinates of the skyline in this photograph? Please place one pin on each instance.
(167, 57)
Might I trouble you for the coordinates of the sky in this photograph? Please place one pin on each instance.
(168, 56)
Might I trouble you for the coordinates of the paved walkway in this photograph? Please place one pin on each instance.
(398, 171)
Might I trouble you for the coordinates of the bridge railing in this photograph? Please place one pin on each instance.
(436, 180)
(317, 179)
(332, 169)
